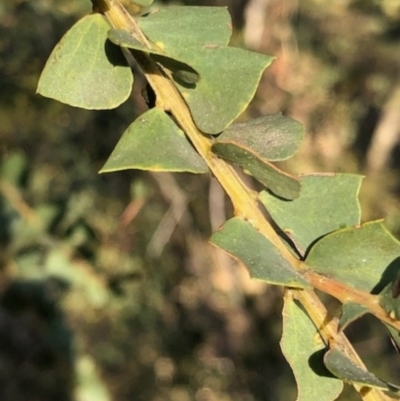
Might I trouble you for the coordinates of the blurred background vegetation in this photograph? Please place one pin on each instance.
(109, 290)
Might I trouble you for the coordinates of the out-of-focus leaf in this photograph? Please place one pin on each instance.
(154, 142)
(242, 241)
(304, 349)
(326, 203)
(90, 385)
(344, 368)
(59, 264)
(13, 167)
(85, 69)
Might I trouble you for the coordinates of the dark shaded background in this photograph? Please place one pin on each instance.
(108, 288)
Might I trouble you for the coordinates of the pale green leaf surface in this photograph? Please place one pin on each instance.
(264, 262)
(304, 354)
(344, 368)
(85, 69)
(326, 203)
(273, 137)
(154, 142)
(143, 3)
(277, 181)
(176, 28)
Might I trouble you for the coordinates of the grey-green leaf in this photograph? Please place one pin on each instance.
(326, 203)
(365, 257)
(154, 142)
(228, 81)
(344, 368)
(279, 182)
(303, 349)
(264, 262)
(273, 137)
(85, 69)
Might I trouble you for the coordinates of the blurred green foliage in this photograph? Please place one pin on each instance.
(109, 290)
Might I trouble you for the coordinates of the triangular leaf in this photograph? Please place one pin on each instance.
(229, 78)
(326, 203)
(344, 368)
(304, 354)
(85, 69)
(365, 257)
(154, 142)
(241, 240)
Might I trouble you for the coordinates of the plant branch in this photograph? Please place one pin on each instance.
(245, 201)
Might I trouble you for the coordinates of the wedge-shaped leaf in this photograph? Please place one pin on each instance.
(273, 137)
(229, 78)
(154, 142)
(264, 262)
(178, 27)
(304, 350)
(277, 181)
(344, 368)
(326, 203)
(182, 71)
(85, 69)
(365, 257)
